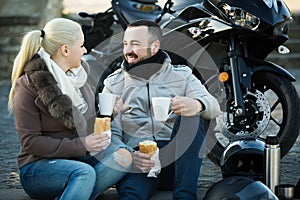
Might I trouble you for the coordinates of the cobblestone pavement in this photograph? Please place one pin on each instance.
(9, 146)
(210, 173)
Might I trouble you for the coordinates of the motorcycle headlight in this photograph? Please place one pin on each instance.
(241, 17)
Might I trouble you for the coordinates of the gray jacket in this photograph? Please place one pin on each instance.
(136, 121)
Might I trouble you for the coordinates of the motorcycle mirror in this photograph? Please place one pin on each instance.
(84, 15)
(167, 9)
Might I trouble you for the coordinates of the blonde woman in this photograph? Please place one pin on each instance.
(54, 113)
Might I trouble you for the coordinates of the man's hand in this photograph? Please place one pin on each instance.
(186, 106)
(142, 161)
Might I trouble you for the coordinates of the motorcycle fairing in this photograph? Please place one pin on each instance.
(259, 65)
(273, 15)
(193, 12)
(205, 30)
(181, 4)
(271, 3)
(248, 66)
(207, 26)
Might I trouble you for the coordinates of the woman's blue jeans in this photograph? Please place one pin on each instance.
(67, 179)
(181, 175)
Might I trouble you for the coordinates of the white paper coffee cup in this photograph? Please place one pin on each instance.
(106, 103)
(160, 107)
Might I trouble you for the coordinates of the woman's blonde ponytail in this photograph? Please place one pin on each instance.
(29, 47)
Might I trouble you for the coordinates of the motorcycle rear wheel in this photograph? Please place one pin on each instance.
(284, 114)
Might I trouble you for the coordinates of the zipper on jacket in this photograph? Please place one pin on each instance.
(150, 110)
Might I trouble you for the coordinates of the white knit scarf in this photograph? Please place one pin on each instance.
(70, 82)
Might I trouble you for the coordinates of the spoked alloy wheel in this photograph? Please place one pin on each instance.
(272, 108)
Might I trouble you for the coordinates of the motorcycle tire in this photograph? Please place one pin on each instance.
(288, 103)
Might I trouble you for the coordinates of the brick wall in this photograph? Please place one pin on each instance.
(18, 17)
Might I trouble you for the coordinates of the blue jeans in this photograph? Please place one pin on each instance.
(180, 162)
(65, 179)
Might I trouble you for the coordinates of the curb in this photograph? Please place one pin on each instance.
(110, 194)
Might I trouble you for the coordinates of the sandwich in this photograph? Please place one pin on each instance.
(102, 125)
(148, 146)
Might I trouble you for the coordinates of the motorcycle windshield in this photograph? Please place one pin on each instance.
(270, 11)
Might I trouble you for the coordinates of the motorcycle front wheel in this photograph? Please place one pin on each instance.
(272, 109)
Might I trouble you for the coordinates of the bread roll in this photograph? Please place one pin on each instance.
(148, 147)
(101, 125)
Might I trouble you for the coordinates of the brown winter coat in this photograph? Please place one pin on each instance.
(47, 124)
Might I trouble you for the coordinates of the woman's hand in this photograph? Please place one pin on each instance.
(96, 142)
(118, 105)
(186, 106)
(142, 161)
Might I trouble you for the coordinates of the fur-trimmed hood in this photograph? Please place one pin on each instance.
(58, 104)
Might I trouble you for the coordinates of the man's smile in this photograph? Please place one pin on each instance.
(131, 57)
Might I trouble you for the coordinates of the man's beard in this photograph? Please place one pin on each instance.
(148, 55)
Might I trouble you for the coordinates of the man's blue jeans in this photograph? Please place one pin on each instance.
(180, 160)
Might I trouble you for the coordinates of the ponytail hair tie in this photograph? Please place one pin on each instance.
(42, 33)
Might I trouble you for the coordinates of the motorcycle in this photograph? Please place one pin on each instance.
(226, 43)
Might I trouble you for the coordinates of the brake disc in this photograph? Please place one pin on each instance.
(253, 123)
